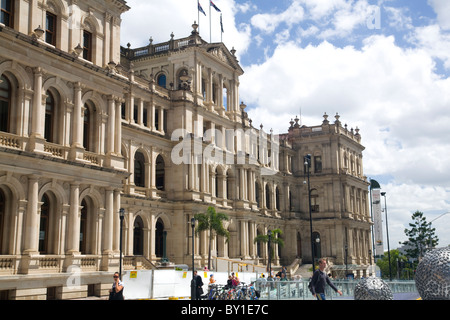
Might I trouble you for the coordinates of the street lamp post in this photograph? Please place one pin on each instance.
(431, 242)
(269, 234)
(121, 215)
(387, 235)
(193, 289)
(307, 164)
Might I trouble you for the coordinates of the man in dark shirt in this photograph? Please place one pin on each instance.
(319, 280)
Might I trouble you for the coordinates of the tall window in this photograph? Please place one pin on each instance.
(49, 115)
(277, 199)
(83, 227)
(159, 238)
(138, 237)
(160, 173)
(7, 13)
(257, 195)
(162, 80)
(314, 200)
(87, 45)
(139, 170)
(50, 28)
(86, 127)
(317, 164)
(5, 102)
(43, 225)
(267, 196)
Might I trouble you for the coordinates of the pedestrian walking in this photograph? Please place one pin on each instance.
(319, 280)
(116, 292)
(198, 286)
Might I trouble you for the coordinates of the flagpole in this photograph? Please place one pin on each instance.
(210, 22)
(198, 16)
(221, 32)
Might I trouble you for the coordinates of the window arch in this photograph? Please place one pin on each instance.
(5, 104)
(161, 80)
(138, 237)
(160, 173)
(139, 169)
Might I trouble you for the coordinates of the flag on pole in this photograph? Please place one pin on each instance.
(214, 6)
(201, 9)
(221, 24)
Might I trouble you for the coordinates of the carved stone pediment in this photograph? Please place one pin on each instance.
(221, 53)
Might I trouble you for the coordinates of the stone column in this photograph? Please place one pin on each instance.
(73, 239)
(111, 125)
(32, 218)
(108, 230)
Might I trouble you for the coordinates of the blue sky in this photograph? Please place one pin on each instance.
(383, 65)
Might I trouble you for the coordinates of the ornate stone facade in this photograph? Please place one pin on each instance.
(88, 127)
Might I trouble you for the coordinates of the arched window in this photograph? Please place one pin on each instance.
(159, 238)
(5, 101)
(139, 170)
(83, 227)
(49, 116)
(86, 127)
(138, 237)
(217, 183)
(161, 80)
(267, 196)
(257, 194)
(160, 173)
(277, 198)
(44, 225)
(7, 13)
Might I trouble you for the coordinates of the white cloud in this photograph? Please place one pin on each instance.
(268, 22)
(442, 9)
(436, 41)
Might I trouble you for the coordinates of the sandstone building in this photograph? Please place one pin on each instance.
(88, 127)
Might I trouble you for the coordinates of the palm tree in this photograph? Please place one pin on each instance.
(212, 221)
(274, 239)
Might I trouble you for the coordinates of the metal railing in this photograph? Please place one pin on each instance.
(298, 290)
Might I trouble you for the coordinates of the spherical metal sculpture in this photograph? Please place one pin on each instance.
(373, 288)
(433, 275)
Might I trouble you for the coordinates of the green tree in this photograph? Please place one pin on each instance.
(274, 239)
(399, 263)
(420, 236)
(212, 221)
